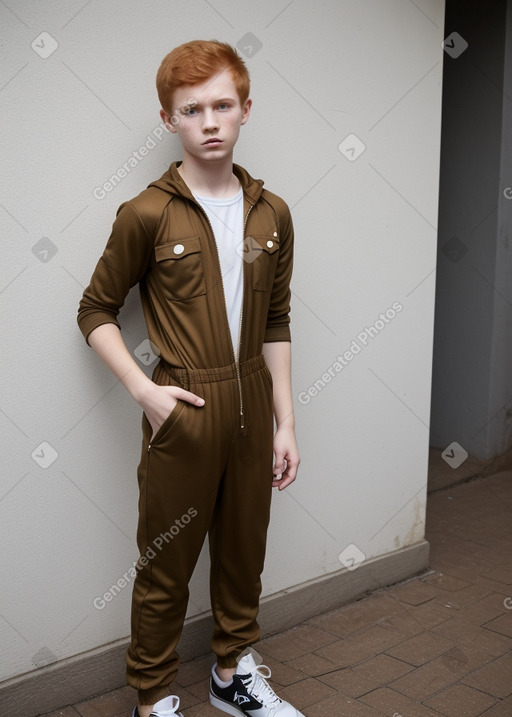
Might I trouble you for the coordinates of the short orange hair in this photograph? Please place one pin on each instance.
(195, 62)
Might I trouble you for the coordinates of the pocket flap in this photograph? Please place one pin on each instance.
(177, 249)
(268, 243)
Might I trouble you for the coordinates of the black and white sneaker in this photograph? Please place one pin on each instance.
(249, 693)
(168, 707)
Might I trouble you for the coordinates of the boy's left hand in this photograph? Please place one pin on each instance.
(286, 457)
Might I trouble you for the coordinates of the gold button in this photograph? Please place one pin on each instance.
(270, 243)
(179, 249)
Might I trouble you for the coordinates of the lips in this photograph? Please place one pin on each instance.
(213, 140)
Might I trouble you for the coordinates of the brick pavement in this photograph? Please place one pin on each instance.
(437, 645)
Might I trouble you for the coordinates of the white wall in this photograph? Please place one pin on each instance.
(366, 239)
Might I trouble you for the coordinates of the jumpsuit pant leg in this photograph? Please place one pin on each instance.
(202, 472)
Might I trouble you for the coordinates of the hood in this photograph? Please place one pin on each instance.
(172, 183)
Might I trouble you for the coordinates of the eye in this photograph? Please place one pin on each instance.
(191, 111)
(223, 106)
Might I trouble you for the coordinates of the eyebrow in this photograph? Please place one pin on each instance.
(215, 102)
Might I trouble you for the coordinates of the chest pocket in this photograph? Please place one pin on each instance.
(262, 252)
(179, 267)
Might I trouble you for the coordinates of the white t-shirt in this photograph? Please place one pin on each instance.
(227, 219)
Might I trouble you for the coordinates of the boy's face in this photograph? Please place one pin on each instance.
(207, 118)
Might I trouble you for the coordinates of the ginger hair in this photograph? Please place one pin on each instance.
(195, 62)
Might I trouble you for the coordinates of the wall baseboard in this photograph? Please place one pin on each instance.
(99, 671)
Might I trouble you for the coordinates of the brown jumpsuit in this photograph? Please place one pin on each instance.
(208, 470)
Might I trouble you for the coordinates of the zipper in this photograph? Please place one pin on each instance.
(237, 362)
(236, 358)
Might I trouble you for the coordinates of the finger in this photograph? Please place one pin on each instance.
(279, 469)
(285, 481)
(287, 477)
(190, 397)
(279, 462)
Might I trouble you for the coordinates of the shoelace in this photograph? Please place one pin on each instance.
(259, 687)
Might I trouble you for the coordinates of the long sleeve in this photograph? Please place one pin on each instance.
(123, 263)
(278, 318)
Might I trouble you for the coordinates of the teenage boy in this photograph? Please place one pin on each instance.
(211, 251)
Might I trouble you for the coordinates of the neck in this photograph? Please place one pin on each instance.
(210, 179)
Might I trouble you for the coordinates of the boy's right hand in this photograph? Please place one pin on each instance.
(159, 402)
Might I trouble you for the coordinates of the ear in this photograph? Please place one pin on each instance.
(246, 111)
(167, 120)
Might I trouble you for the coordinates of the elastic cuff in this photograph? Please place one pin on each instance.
(149, 697)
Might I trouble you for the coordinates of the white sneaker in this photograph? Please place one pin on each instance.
(249, 693)
(168, 707)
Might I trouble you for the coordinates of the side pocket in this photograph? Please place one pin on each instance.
(166, 426)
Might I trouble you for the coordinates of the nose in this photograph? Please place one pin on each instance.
(210, 122)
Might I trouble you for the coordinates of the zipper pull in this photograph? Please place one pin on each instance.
(241, 419)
